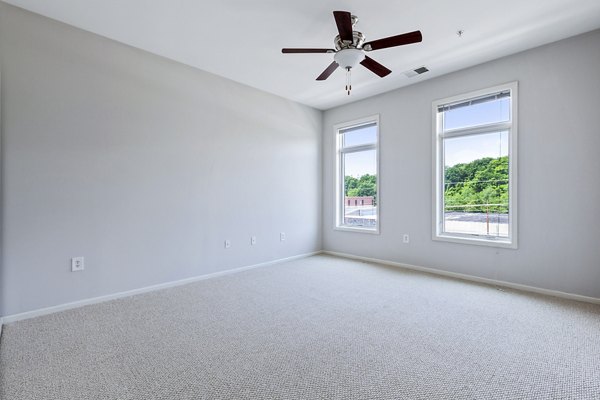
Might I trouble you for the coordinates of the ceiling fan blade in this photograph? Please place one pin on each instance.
(343, 20)
(292, 51)
(325, 74)
(375, 67)
(393, 41)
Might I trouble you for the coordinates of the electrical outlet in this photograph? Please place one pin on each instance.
(77, 264)
(252, 240)
(227, 243)
(282, 236)
(406, 238)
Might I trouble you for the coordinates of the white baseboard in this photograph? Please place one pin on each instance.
(80, 303)
(493, 282)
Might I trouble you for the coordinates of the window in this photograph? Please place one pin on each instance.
(475, 167)
(357, 182)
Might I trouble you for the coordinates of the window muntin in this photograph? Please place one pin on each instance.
(357, 185)
(475, 167)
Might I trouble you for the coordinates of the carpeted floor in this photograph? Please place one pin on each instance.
(316, 328)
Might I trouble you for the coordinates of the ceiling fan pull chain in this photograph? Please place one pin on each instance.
(348, 81)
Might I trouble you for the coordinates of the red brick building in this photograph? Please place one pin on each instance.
(359, 201)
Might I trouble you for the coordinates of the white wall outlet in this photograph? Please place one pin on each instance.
(77, 264)
(252, 240)
(406, 238)
(227, 243)
(282, 236)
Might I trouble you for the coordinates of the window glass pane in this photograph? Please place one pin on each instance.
(366, 134)
(487, 112)
(360, 189)
(476, 184)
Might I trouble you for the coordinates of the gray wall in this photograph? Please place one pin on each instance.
(559, 171)
(142, 165)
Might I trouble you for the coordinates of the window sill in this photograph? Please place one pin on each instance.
(372, 231)
(477, 240)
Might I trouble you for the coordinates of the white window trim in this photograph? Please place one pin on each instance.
(339, 193)
(438, 181)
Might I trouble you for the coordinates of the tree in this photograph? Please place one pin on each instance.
(349, 183)
(480, 182)
(365, 186)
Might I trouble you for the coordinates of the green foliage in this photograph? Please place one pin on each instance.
(483, 181)
(366, 185)
(349, 183)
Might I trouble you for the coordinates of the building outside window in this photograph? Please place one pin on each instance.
(475, 167)
(357, 179)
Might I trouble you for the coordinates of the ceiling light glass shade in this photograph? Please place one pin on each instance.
(349, 58)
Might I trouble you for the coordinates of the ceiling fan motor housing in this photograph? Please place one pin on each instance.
(357, 41)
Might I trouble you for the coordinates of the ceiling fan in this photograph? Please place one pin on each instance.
(350, 48)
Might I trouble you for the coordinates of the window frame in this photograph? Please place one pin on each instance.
(438, 167)
(339, 168)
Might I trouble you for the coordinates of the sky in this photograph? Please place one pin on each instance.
(465, 149)
(456, 150)
(359, 164)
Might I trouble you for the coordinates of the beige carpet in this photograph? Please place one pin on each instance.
(317, 328)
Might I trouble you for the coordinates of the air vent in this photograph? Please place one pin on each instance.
(415, 72)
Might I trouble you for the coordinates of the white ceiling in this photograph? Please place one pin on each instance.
(242, 40)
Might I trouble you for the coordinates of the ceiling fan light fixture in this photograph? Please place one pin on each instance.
(349, 58)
